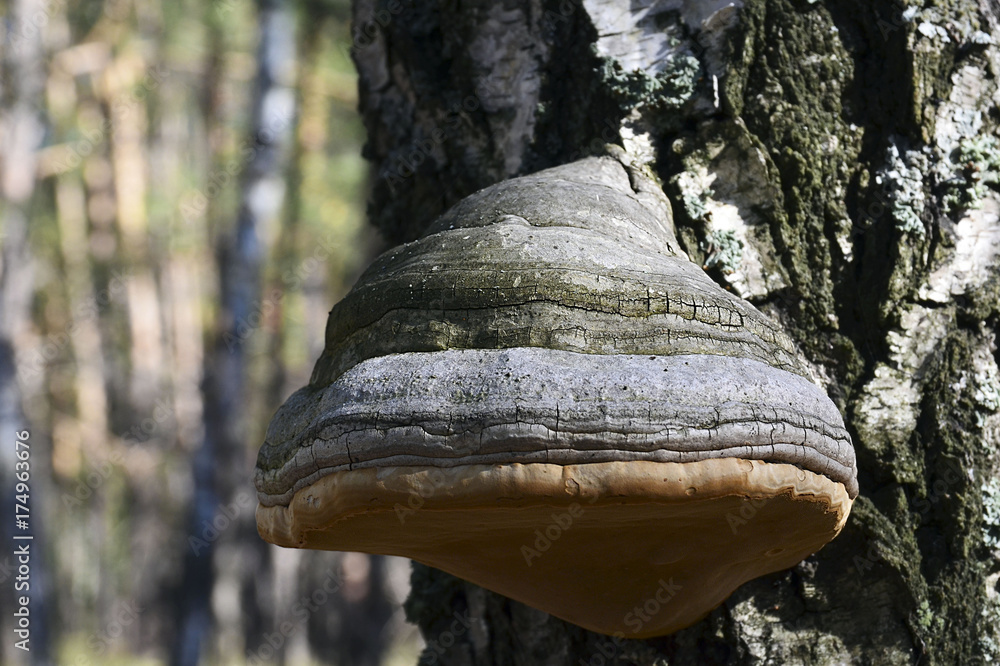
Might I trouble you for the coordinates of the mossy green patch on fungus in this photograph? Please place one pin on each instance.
(977, 166)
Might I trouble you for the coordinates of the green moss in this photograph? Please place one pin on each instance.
(926, 617)
(891, 538)
(790, 79)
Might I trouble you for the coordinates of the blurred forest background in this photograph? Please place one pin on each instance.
(183, 199)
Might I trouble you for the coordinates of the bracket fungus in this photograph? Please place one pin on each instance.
(544, 396)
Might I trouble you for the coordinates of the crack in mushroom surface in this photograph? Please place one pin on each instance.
(545, 355)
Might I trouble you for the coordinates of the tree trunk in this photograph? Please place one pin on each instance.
(220, 465)
(836, 163)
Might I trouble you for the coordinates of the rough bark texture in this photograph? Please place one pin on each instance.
(834, 162)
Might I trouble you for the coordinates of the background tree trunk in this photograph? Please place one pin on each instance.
(220, 464)
(834, 162)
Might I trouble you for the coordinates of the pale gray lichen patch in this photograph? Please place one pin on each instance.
(991, 513)
(646, 53)
(768, 638)
(986, 394)
(986, 384)
(694, 193)
(966, 261)
(670, 88)
(989, 639)
(940, 25)
(888, 405)
(988, 387)
(977, 166)
(927, 27)
(725, 198)
(903, 178)
(725, 251)
(967, 154)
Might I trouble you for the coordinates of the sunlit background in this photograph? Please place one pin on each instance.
(147, 114)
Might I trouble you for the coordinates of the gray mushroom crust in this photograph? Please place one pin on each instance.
(462, 407)
(551, 319)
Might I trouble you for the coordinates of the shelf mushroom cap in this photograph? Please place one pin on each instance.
(543, 396)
